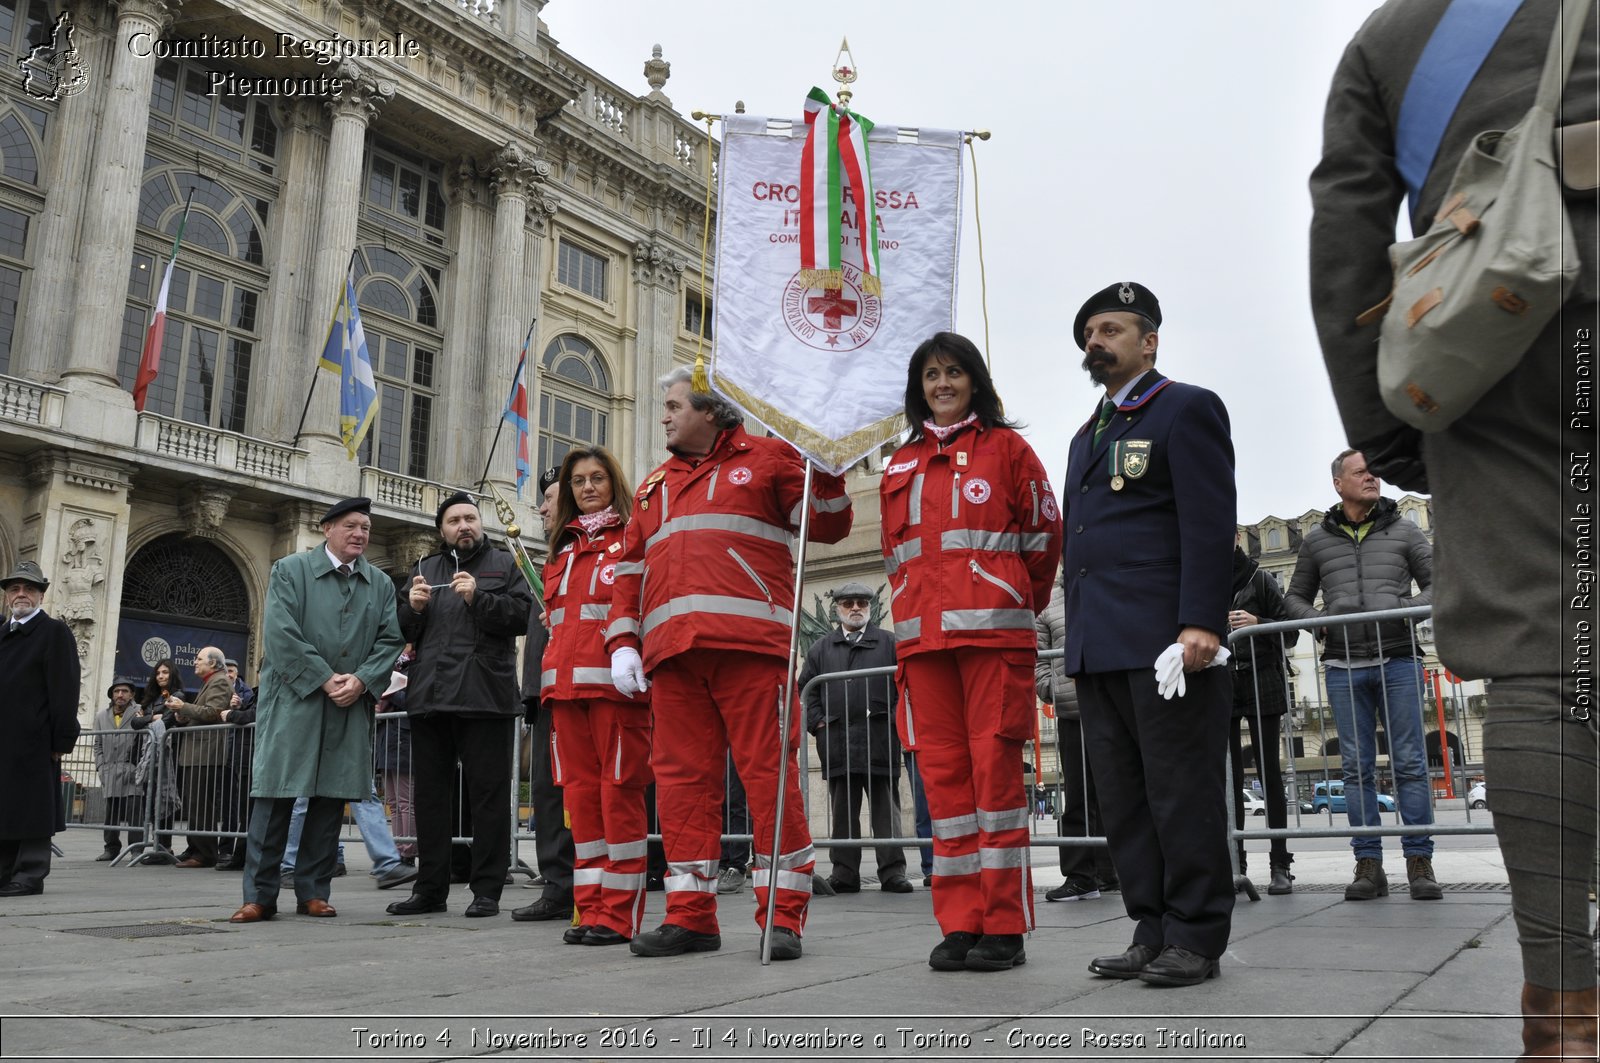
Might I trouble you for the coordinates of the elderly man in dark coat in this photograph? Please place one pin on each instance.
(853, 720)
(331, 639)
(39, 669)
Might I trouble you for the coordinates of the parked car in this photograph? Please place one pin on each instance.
(1478, 796)
(1329, 796)
(1252, 803)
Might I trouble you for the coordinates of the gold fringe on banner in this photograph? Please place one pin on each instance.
(822, 278)
(872, 285)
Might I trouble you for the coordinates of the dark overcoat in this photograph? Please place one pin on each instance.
(39, 671)
(853, 719)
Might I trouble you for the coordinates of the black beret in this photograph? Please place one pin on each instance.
(1124, 296)
(458, 499)
(349, 505)
(548, 477)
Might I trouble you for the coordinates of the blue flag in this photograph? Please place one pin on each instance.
(345, 353)
(516, 414)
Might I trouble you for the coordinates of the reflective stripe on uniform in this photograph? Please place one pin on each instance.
(955, 826)
(905, 552)
(915, 501)
(1008, 819)
(589, 850)
(594, 611)
(983, 620)
(1035, 542)
(586, 876)
(1002, 859)
(692, 876)
(973, 539)
(724, 522)
(622, 626)
(592, 676)
(612, 880)
(966, 864)
(557, 615)
(830, 505)
(689, 604)
(547, 679)
(629, 568)
(908, 629)
(630, 850)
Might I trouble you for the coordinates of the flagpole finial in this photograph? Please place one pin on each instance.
(844, 71)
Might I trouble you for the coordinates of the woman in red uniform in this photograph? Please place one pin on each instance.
(971, 539)
(599, 740)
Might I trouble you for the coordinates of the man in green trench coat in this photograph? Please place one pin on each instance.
(331, 638)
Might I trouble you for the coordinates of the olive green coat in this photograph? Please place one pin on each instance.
(319, 623)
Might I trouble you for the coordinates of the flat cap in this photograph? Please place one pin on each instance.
(120, 682)
(229, 662)
(348, 505)
(1129, 297)
(460, 498)
(27, 572)
(852, 590)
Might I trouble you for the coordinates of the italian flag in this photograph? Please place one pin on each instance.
(150, 360)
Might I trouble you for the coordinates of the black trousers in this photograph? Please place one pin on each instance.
(883, 798)
(268, 837)
(735, 820)
(483, 746)
(1264, 745)
(198, 788)
(24, 860)
(552, 838)
(1087, 865)
(1161, 775)
(124, 810)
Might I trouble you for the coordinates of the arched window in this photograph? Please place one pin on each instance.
(212, 328)
(574, 399)
(399, 302)
(178, 595)
(1275, 539)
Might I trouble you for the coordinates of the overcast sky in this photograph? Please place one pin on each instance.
(1163, 141)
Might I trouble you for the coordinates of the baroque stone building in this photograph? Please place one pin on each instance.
(474, 178)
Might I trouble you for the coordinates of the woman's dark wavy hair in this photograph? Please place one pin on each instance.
(985, 402)
(152, 689)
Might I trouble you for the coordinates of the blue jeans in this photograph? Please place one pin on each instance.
(1358, 696)
(371, 821)
(919, 802)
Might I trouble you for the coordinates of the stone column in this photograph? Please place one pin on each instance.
(112, 206)
(514, 173)
(359, 102)
(459, 444)
(39, 350)
(658, 270)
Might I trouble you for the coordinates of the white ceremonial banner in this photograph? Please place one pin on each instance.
(827, 369)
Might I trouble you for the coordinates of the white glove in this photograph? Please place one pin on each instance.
(1169, 671)
(627, 672)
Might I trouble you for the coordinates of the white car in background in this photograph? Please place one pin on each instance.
(1252, 803)
(1478, 796)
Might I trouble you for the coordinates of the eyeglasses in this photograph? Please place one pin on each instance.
(854, 603)
(599, 479)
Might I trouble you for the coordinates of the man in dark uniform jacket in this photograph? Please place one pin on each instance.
(1507, 597)
(39, 669)
(1148, 512)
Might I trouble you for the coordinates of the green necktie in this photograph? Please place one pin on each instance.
(1108, 410)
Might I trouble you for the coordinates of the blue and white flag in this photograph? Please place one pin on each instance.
(345, 353)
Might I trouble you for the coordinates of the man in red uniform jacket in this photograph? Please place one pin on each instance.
(705, 586)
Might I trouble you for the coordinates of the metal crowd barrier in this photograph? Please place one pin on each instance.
(195, 780)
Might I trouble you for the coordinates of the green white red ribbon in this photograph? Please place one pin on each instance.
(835, 154)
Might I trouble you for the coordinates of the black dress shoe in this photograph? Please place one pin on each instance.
(19, 889)
(604, 935)
(1282, 882)
(236, 864)
(897, 884)
(415, 905)
(997, 952)
(951, 953)
(109, 854)
(544, 908)
(574, 934)
(1123, 964)
(1177, 966)
(481, 907)
(841, 886)
(668, 939)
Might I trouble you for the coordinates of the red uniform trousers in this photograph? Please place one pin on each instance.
(966, 711)
(600, 756)
(706, 703)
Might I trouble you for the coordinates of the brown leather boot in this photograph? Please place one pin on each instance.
(1558, 1025)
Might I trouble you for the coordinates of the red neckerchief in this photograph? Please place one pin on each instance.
(943, 432)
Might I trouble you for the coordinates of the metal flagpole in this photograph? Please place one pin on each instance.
(783, 721)
(316, 369)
